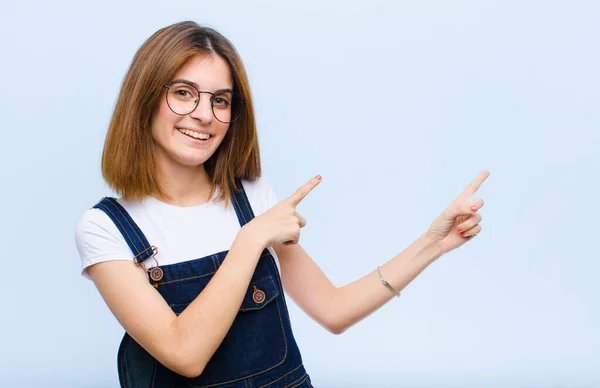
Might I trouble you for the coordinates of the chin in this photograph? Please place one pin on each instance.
(186, 156)
(193, 161)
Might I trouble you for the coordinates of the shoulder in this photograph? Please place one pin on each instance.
(98, 239)
(92, 222)
(259, 186)
(260, 194)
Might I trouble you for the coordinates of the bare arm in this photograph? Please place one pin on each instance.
(337, 309)
(183, 343)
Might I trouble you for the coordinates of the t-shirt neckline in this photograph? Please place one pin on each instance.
(152, 201)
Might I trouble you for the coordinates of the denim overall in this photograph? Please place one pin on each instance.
(258, 351)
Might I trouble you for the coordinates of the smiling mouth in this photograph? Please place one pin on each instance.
(194, 134)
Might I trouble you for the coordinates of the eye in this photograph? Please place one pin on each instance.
(182, 93)
(221, 102)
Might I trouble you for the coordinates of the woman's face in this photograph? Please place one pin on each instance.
(180, 140)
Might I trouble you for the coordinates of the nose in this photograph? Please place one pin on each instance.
(203, 111)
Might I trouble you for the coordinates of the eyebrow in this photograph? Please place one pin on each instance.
(192, 83)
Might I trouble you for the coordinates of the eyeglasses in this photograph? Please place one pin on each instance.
(183, 97)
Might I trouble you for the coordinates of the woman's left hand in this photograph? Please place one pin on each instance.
(459, 222)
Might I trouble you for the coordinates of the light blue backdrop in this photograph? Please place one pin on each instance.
(398, 105)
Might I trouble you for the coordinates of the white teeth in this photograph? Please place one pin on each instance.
(201, 136)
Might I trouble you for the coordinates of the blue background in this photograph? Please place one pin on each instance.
(398, 105)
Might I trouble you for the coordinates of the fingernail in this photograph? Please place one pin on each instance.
(462, 234)
(459, 228)
(318, 177)
(473, 209)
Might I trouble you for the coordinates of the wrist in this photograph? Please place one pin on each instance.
(250, 237)
(429, 243)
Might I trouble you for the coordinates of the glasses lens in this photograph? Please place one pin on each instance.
(182, 98)
(226, 107)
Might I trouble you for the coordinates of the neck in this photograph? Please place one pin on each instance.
(183, 185)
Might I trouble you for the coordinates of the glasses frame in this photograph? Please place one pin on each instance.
(235, 106)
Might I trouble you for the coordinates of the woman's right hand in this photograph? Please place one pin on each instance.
(186, 342)
(282, 223)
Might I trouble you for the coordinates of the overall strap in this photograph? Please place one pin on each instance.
(132, 234)
(244, 211)
(241, 204)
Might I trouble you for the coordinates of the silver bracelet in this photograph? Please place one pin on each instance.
(385, 283)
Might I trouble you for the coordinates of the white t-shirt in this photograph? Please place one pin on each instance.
(179, 233)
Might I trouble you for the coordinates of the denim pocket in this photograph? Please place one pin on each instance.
(136, 367)
(256, 340)
(303, 381)
(258, 295)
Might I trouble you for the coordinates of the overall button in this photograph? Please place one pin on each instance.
(258, 296)
(156, 274)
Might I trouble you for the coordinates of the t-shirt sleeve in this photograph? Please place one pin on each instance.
(98, 239)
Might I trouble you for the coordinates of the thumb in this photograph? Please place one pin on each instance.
(466, 208)
(301, 220)
(475, 205)
(457, 209)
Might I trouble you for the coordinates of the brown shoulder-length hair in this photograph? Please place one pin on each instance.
(128, 160)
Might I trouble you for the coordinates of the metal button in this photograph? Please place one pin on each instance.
(156, 274)
(258, 296)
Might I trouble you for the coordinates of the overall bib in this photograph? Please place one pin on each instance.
(258, 351)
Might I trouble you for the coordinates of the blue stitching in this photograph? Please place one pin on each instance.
(239, 208)
(127, 217)
(122, 229)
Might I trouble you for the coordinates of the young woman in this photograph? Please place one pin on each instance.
(194, 256)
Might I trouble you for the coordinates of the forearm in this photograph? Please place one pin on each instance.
(355, 301)
(202, 326)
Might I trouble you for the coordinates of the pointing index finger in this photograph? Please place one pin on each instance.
(304, 190)
(476, 183)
